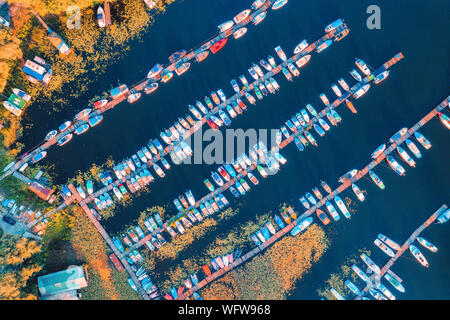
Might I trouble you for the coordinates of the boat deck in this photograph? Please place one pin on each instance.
(321, 203)
(138, 87)
(406, 244)
(109, 241)
(200, 123)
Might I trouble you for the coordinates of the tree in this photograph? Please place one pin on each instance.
(17, 266)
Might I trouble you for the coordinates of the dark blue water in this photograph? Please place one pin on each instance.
(416, 85)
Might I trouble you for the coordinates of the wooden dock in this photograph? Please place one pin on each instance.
(282, 145)
(406, 244)
(200, 123)
(321, 203)
(109, 242)
(138, 87)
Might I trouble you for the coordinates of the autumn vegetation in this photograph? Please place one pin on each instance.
(20, 260)
(273, 274)
(337, 279)
(93, 50)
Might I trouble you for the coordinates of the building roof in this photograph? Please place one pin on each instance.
(43, 192)
(72, 278)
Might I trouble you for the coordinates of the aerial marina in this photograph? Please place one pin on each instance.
(282, 158)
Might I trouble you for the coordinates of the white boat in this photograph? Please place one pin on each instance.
(369, 262)
(391, 243)
(344, 84)
(259, 18)
(395, 166)
(301, 46)
(360, 273)
(336, 90)
(336, 294)
(341, 205)
(278, 4)
(239, 33)
(384, 248)
(394, 282)
(358, 192)
(386, 292)
(427, 244)
(303, 60)
(281, 53)
(226, 25)
(418, 255)
(101, 17)
(361, 91)
(242, 16)
(405, 156)
(362, 66)
(257, 4)
(413, 148)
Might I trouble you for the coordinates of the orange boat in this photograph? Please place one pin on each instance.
(201, 56)
(341, 35)
(322, 216)
(206, 270)
(218, 45)
(350, 106)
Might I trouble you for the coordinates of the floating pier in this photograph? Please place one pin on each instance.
(137, 87)
(190, 132)
(405, 246)
(330, 196)
(335, 104)
(109, 241)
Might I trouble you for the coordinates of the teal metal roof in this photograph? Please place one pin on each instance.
(57, 282)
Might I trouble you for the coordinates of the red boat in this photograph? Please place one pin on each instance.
(206, 270)
(218, 45)
(180, 290)
(241, 104)
(201, 56)
(212, 124)
(224, 174)
(168, 297)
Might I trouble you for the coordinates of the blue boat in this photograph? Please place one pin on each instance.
(255, 239)
(265, 232)
(194, 279)
(237, 254)
(324, 45)
(352, 287)
(229, 169)
(158, 145)
(310, 198)
(118, 244)
(214, 265)
(299, 144)
(82, 128)
(302, 226)
(95, 120)
(173, 292)
(443, 218)
(319, 130)
(234, 192)
(279, 222)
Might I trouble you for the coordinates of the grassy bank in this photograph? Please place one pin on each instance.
(272, 274)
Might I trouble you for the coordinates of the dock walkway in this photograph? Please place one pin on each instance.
(215, 110)
(408, 242)
(282, 145)
(190, 55)
(281, 233)
(109, 242)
